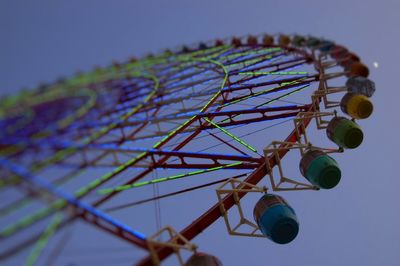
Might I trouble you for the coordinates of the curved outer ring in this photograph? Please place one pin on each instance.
(214, 213)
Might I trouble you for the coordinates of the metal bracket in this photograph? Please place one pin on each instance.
(324, 90)
(300, 125)
(177, 242)
(284, 183)
(236, 187)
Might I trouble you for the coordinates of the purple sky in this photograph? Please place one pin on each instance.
(354, 224)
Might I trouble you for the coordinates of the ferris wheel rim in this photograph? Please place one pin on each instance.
(193, 229)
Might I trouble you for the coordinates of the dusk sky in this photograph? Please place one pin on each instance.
(357, 223)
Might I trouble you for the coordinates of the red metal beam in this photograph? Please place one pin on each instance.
(232, 113)
(206, 166)
(211, 156)
(251, 120)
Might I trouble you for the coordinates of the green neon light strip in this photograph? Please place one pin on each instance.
(43, 240)
(237, 55)
(274, 58)
(231, 135)
(275, 73)
(163, 179)
(25, 201)
(251, 61)
(81, 111)
(204, 107)
(264, 91)
(27, 220)
(188, 60)
(216, 52)
(231, 57)
(14, 206)
(284, 95)
(86, 189)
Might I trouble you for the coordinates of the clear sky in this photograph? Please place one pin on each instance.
(355, 224)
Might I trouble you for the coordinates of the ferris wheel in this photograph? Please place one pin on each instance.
(100, 145)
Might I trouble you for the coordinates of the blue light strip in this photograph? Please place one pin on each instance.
(42, 184)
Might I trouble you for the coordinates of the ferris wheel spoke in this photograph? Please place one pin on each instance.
(44, 238)
(174, 177)
(254, 58)
(127, 205)
(115, 151)
(278, 66)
